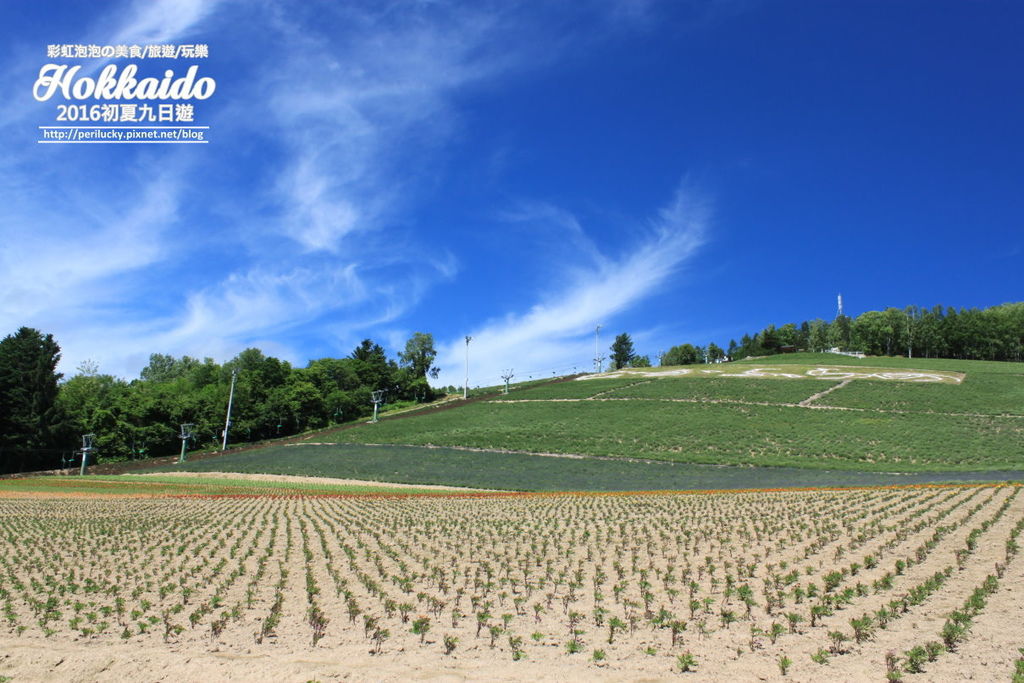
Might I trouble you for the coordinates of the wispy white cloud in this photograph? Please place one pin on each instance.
(331, 140)
(358, 132)
(557, 332)
(161, 21)
(64, 255)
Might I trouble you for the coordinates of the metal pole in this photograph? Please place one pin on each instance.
(181, 458)
(86, 448)
(465, 391)
(227, 421)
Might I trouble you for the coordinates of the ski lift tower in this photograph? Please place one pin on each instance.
(87, 448)
(377, 397)
(186, 434)
(507, 375)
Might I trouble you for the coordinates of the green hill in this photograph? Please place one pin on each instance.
(798, 410)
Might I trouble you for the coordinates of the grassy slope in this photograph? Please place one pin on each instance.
(759, 435)
(519, 471)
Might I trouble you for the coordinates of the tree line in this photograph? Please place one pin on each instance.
(995, 333)
(42, 418)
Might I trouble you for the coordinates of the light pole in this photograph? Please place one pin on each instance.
(465, 390)
(227, 420)
(598, 358)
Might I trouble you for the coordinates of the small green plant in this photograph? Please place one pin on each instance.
(516, 645)
(614, 624)
(838, 638)
(379, 636)
(450, 642)
(820, 657)
(573, 646)
(915, 659)
(420, 627)
(953, 633)
(892, 667)
(598, 656)
(686, 662)
(784, 664)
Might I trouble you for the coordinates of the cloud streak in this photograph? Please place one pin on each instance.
(556, 333)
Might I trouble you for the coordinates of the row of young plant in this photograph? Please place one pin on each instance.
(196, 569)
(666, 574)
(103, 592)
(832, 599)
(958, 623)
(916, 595)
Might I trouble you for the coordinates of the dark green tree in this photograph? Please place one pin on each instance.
(622, 351)
(714, 353)
(29, 414)
(419, 356)
(684, 354)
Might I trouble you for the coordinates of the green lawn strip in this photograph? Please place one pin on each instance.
(718, 433)
(985, 393)
(724, 388)
(579, 388)
(155, 485)
(525, 472)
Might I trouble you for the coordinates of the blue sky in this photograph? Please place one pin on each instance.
(518, 172)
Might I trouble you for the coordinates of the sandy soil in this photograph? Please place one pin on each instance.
(304, 480)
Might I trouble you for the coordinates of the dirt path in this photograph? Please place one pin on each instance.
(811, 399)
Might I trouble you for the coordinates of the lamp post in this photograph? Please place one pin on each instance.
(227, 420)
(465, 390)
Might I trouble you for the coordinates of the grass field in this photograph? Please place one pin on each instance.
(723, 434)
(888, 426)
(988, 394)
(524, 472)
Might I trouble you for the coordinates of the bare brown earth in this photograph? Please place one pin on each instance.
(198, 581)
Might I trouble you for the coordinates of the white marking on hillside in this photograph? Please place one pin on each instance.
(835, 373)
